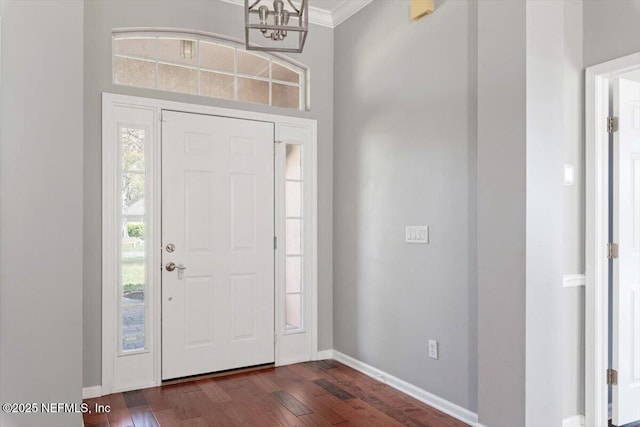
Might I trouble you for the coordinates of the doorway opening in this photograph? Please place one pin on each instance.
(209, 241)
(612, 312)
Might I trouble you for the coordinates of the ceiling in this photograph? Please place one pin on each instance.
(327, 13)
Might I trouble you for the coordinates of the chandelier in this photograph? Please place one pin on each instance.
(274, 29)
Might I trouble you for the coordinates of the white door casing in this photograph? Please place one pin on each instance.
(130, 371)
(626, 269)
(218, 211)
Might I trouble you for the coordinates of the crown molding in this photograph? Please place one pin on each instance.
(326, 18)
(346, 10)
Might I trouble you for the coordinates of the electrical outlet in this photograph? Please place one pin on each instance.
(433, 349)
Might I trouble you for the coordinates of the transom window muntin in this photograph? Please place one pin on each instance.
(207, 66)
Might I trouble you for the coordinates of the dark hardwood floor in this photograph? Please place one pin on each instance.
(323, 393)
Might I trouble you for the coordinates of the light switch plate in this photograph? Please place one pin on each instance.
(417, 234)
(569, 175)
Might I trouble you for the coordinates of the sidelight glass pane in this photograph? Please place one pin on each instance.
(294, 274)
(133, 194)
(133, 286)
(285, 96)
(132, 240)
(293, 198)
(294, 237)
(293, 312)
(293, 168)
(132, 141)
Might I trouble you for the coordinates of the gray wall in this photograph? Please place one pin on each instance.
(611, 29)
(573, 210)
(216, 17)
(573, 353)
(544, 200)
(41, 210)
(501, 212)
(405, 154)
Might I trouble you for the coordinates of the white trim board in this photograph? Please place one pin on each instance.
(289, 348)
(596, 233)
(573, 280)
(327, 18)
(91, 392)
(574, 421)
(424, 396)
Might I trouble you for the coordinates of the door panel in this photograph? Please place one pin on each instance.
(218, 211)
(626, 269)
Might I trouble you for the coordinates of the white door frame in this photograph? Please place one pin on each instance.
(597, 234)
(289, 348)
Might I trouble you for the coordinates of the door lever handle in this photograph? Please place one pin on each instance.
(172, 266)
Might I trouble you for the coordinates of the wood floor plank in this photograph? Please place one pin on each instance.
(167, 418)
(324, 393)
(315, 420)
(213, 391)
(333, 389)
(134, 399)
(120, 418)
(294, 406)
(142, 416)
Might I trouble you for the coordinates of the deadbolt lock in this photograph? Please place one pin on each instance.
(171, 247)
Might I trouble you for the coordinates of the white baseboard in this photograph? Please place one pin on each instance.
(574, 421)
(573, 280)
(424, 396)
(324, 355)
(91, 392)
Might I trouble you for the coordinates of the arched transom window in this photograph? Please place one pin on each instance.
(207, 66)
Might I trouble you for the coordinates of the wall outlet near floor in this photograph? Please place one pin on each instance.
(433, 349)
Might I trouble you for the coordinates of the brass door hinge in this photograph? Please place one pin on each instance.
(612, 250)
(612, 377)
(612, 124)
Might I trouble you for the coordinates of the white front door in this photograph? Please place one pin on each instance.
(626, 269)
(218, 215)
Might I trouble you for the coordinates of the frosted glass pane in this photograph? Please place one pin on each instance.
(138, 47)
(250, 90)
(133, 194)
(173, 50)
(252, 65)
(293, 236)
(216, 85)
(216, 57)
(294, 274)
(294, 162)
(132, 141)
(293, 199)
(177, 79)
(285, 96)
(279, 72)
(134, 72)
(293, 312)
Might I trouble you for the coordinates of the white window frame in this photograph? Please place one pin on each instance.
(597, 234)
(236, 44)
(123, 372)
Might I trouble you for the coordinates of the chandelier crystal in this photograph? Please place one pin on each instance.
(274, 29)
